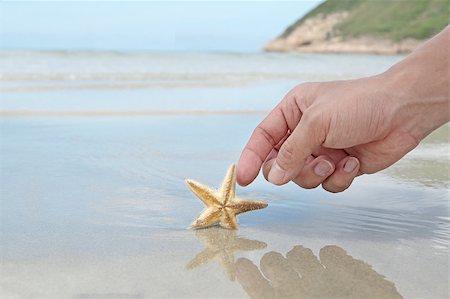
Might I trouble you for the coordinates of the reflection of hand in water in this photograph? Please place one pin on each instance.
(302, 275)
(221, 244)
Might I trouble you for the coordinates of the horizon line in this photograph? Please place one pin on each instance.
(93, 113)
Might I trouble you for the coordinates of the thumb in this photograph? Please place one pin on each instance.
(309, 134)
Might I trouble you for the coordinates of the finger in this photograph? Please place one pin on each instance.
(278, 146)
(263, 139)
(342, 177)
(306, 137)
(378, 155)
(267, 135)
(251, 279)
(272, 156)
(335, 154)
(315, 172)
(268, 163)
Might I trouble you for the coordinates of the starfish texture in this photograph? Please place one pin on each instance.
(222, 205)
(221, 244)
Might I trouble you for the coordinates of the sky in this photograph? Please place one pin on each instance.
(231, 26)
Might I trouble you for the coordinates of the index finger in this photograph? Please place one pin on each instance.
(264, 138)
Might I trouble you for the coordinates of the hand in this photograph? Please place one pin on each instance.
(328, 133)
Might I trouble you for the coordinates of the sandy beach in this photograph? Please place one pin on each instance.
(94, 205)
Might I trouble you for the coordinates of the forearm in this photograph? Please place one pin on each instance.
(420, 84)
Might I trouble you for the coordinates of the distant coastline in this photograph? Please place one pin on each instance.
(364, 26)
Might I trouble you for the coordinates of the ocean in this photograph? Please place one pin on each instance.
(95, 148)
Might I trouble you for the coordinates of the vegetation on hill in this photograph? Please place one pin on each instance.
(390, 19)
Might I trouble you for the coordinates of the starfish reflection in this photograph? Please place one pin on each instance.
(221, 244)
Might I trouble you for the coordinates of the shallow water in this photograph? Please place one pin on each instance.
(95, 206)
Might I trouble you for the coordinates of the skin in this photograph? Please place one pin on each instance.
(328, 133)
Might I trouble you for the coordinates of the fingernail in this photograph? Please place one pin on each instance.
(350, 165)
(323, 168)
(276, 174)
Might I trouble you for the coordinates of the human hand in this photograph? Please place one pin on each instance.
(328, 133)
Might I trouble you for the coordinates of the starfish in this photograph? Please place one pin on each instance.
(221, 244)
(222, 205)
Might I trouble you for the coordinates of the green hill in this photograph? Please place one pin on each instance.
(418, 19)
(392, 20)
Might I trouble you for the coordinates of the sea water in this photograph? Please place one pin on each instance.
(94, 150)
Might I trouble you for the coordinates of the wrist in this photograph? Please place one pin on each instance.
(418, 88)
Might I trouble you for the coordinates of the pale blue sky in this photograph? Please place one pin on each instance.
(142, 26)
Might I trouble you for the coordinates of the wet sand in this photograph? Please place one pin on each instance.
(95, 205)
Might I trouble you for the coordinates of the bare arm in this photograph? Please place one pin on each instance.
(327, 133)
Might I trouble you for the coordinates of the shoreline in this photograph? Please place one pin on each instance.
(353, 46)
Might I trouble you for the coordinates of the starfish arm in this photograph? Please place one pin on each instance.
(240, 206)
(208, 217)
(204, 193)
(202, 258)
(228, 219)
(227, 262)
(248, 245)
(228, 188)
